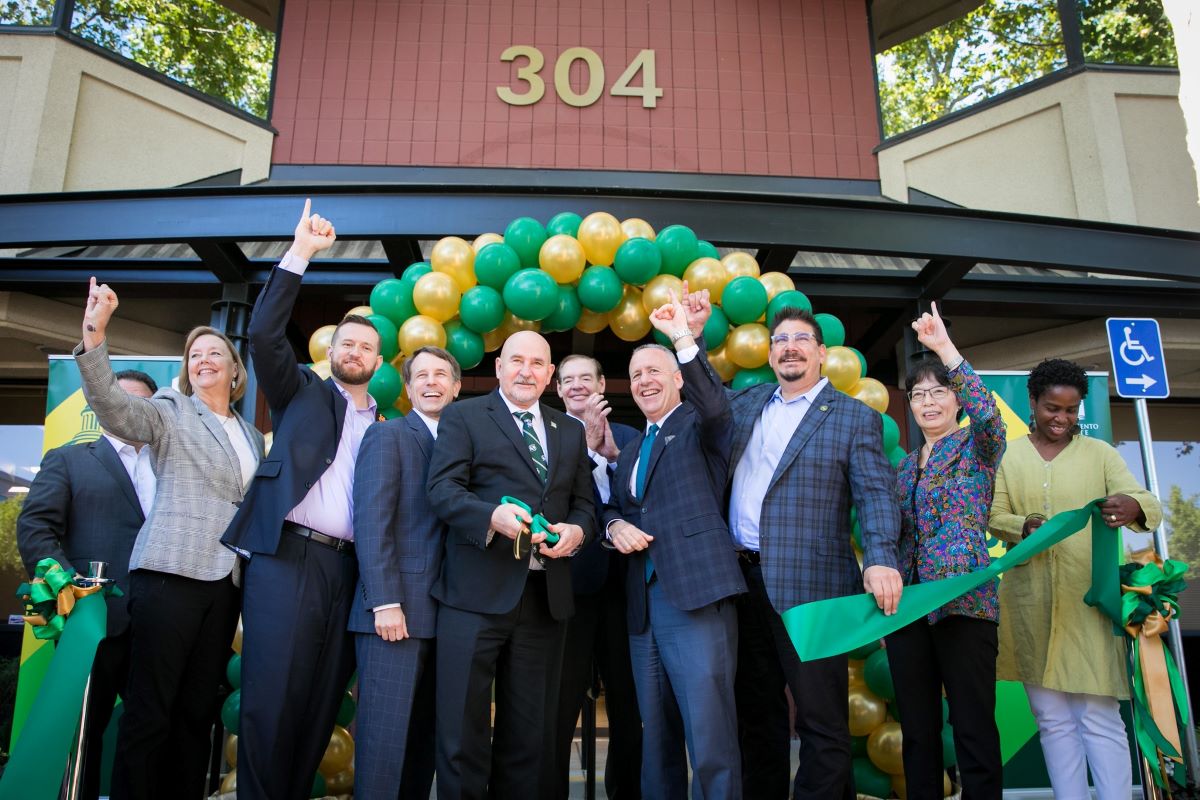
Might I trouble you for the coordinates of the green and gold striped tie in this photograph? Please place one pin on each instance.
(533, 443)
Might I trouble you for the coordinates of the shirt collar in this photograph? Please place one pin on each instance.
(535, 409)
(119, 446)
(810, 395)
(372, 406)
(664, 419)
(430, 422)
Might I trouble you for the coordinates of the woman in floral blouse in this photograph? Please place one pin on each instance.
(944, 490)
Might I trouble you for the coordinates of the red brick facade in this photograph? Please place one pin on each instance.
(766, 87)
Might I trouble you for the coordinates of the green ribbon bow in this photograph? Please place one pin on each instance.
(539, 524)
(39, 758)
(1148, 602)
(50, 597)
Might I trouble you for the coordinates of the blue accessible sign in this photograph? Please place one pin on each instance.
(1139, 369)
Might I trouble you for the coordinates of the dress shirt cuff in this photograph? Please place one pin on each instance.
(687, 354)
(491, 534)
(383, 607)
(293, 263)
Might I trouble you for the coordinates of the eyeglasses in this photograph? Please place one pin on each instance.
(802, 337)
(937, 394)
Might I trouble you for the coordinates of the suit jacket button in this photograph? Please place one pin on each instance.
(308, 484)
(643, 509)
(328, 461)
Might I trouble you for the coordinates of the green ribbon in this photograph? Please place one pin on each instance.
(39, 759)
(539, 524)
(831, 627)
(41, 597)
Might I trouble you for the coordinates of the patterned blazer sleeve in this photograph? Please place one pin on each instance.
(988, 434)
(377, 480)
(872, 487)
(120, 413)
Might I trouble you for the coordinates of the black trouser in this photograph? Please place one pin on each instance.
(181, 633)
(110, 672)
(522, 651)
(598, 635)
(960, 654)
(767, 662)
(297, 658)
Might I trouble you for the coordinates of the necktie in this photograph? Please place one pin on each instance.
(644, 460)
(533, 443)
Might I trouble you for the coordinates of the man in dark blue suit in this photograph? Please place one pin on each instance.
(803, 453)
(666, 510)
(597, 636)
(399, 539)
(296, 526)
(87, 503)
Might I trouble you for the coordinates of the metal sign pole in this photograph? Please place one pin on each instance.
(1160, 544)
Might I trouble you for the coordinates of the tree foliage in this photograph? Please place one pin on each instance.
(1183, 520)
(1126, 32)
(10, 557)
(26, 12)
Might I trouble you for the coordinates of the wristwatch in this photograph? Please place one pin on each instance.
(677, 335)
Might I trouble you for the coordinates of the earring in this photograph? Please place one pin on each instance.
(1032, 424)
(234, 384)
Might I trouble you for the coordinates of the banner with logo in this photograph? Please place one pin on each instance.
(69, 420)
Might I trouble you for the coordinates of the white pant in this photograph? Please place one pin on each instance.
(1078, 731)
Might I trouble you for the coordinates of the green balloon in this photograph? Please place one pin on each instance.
(744, 299)
(464, 344)
(233, 671)
(865, 651)
(661, 338)
(531, 294)
(870, 779)
(716, 330)
(832, 330)
(415, 270)
(891, 433)
(347, 710)
(481, 308)
(392, 298)
(746, 378)
(637, 261)
(858, 746)
(895, 456)
(565, 223)
(391, 412)
(495, 264)
(679, 247)
(526, 236)
(878, 676)
(600, 289)
(856, 533)
(567, 314)
(945, 712)
(788, 299)
(385, 385)
(862, 361)
(706, 250)
(389, 344)
(231, 711)
(318, 787)
(949, 756)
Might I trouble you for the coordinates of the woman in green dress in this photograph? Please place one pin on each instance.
(1065, 652)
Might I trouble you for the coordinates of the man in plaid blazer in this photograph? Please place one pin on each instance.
(666, 512)
(399, 541)
(803, 454)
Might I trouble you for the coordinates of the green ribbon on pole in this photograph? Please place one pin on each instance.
(39, 759)
(831, 627)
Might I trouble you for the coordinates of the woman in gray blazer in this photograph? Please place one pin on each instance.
(183, 603)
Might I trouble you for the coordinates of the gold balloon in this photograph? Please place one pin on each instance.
(229, 783)
(454, 257)
(339, 754)
(403, 404)
(739, 263)
(318, 343)
(600, 234)
(748, 345)
(947, 784)
(776, 282)
(513, 324)
(562, 257)
(842, 368)
(867, 712)
(437, 295)
(856, 672)
(484, 239)
(871, 392)
(231, 750)
(592, 321)
(884, 748)
(657, 291)
(341, 783)
(421, 331)
(629, 320)
(237, 636)
(707, 273)
(362, 311)
(635, 228)
(322, 368)
(719, 359)
(493, 339)
(900, 787)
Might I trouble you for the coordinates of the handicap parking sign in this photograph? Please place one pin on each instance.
(1139, 368)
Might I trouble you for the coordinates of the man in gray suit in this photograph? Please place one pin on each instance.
(87, 503)
(399, 542)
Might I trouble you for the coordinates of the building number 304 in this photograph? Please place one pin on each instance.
(535, 87)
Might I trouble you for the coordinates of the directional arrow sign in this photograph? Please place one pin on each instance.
(1139, 368)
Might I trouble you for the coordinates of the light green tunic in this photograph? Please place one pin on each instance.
(1048, 636)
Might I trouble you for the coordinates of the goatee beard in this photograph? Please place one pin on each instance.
(357, 378)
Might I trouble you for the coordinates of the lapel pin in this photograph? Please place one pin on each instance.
(553, 424)
(823, 408)
(668, 439)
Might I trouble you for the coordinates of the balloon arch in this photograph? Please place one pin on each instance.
(591, 273)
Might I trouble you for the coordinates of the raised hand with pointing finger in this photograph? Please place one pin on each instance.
(931, 332)
(314, 233)
(101, 304)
